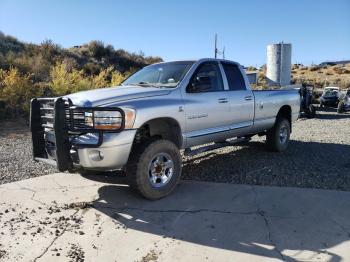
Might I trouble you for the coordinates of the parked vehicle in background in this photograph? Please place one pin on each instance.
(142, 125)
(344, 103)
(330, 97)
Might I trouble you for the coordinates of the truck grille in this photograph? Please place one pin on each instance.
(55, 122)
(75, 119)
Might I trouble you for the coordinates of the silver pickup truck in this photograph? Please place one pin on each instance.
(142, 125)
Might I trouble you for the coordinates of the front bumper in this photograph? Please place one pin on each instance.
(111, 155)
(330, 102)
(59, 138)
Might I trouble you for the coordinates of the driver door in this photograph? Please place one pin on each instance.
(206, 105)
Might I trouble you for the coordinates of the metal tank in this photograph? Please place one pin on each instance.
(278, 66)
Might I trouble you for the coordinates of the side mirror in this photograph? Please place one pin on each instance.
(199, 84)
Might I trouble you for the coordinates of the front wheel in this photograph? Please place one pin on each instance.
(154, 168)
(277, 138)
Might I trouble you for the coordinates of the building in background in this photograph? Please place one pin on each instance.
(252, 77)
(279, 62)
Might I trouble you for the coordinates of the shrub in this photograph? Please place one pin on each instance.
(314, 68)
(16, 91)
(64, 82)
(97, 49)
(117, 78)
(340, 70)
(102, 79)
(30, 70)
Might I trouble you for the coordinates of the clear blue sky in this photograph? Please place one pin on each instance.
(183, 29)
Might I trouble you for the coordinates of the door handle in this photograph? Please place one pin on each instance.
(248, 98)
(222, 100)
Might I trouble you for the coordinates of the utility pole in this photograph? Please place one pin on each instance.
(216, 49)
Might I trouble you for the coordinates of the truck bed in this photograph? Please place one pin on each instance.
(269, 102)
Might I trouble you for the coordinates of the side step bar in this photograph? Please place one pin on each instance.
(190, 152)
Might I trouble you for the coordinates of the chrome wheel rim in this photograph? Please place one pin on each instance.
(283, 134)
(160, 170)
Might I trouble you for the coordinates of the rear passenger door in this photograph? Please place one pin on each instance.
(241, 99)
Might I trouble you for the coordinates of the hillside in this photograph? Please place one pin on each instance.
(319, 76)
(28, 70)
(322, 75)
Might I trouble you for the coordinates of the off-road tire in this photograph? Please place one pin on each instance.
(273, 140)
(340, 108)
(137, 170)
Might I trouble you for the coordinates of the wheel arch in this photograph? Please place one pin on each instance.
(162, 127)
(286, 112)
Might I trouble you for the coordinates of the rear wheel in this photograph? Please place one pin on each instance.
(277, 138)
(154, 168)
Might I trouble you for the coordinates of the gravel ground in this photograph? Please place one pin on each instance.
(16, 154)
(318, 157)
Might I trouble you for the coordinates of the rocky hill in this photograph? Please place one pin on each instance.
(29, 70)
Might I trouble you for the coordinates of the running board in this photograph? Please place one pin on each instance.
(216, 145)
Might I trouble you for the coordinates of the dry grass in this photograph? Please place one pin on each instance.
(317, 76)
(320, 77)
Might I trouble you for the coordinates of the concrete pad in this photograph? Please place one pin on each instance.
(67, 217)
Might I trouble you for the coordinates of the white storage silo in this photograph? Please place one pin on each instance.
(279, 62)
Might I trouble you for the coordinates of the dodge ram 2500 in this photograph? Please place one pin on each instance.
(142, 125)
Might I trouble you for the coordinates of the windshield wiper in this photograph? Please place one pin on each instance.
(144, 84)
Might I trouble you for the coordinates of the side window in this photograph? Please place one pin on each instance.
(207, 79)
(234, 77)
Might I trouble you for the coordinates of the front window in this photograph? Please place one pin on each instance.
(330, 93)
(160, 75)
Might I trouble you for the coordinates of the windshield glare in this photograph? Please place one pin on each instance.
(160, 75)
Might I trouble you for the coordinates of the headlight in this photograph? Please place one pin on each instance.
(104, 120)
(109, 119)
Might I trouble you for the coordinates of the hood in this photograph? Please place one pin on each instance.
(103, 96)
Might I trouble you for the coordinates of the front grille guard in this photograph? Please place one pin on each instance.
(61, 117)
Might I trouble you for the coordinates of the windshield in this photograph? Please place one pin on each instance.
(330, 92)
(160, 75)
